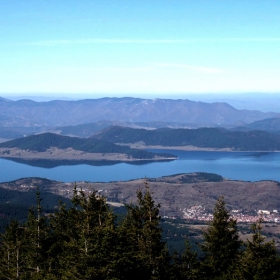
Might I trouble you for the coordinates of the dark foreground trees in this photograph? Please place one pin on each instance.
(88, 241)
(260, 260)
(222, 244)
(144, 246)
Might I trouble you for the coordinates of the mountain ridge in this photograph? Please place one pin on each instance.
(29, 113)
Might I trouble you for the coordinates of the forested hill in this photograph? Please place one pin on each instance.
(19, 197)
(42, 142)
(271, 125)
(216, 138)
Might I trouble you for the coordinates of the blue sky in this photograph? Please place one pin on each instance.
(127, 48)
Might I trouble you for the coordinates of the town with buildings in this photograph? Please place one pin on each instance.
(200, 214)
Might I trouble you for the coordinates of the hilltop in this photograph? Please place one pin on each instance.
(271, 125)
(201, 138)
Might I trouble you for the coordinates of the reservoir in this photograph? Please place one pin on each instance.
(247, 166)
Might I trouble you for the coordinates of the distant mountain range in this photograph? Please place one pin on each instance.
(58, 113)
(84, 130)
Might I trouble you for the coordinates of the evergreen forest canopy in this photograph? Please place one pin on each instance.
(86, 240)
(215, 138)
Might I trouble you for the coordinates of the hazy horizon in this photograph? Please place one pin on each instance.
(251, 101)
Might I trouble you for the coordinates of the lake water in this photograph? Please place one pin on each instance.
(248, 166)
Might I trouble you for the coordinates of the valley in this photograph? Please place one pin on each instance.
(114, 130)
(175, 193)
(186, 201)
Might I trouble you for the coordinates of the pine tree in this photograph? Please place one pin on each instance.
(147, 253)
(63, 252)
(36, 243)
(260, 260)
(12, 252)
(222, 243)
(85, 237)
(190, 264)
(97, 234)
(185, 266)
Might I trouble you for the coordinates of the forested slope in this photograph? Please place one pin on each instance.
(14, 204)
(87, 241)
(216, 138)
(42, 142)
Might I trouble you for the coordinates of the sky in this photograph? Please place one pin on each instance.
(129, 48)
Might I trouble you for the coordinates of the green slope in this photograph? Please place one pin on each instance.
(202, 137)
(42, 142)
(14, 204)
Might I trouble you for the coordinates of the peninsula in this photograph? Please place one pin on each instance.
(57, 147)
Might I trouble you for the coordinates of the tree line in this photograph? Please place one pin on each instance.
(88, 241)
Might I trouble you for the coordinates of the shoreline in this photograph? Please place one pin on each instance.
(192, 149)
(72, 155)
(76, 155)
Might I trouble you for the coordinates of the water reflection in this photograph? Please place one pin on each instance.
(44, 163)
(248, 166)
